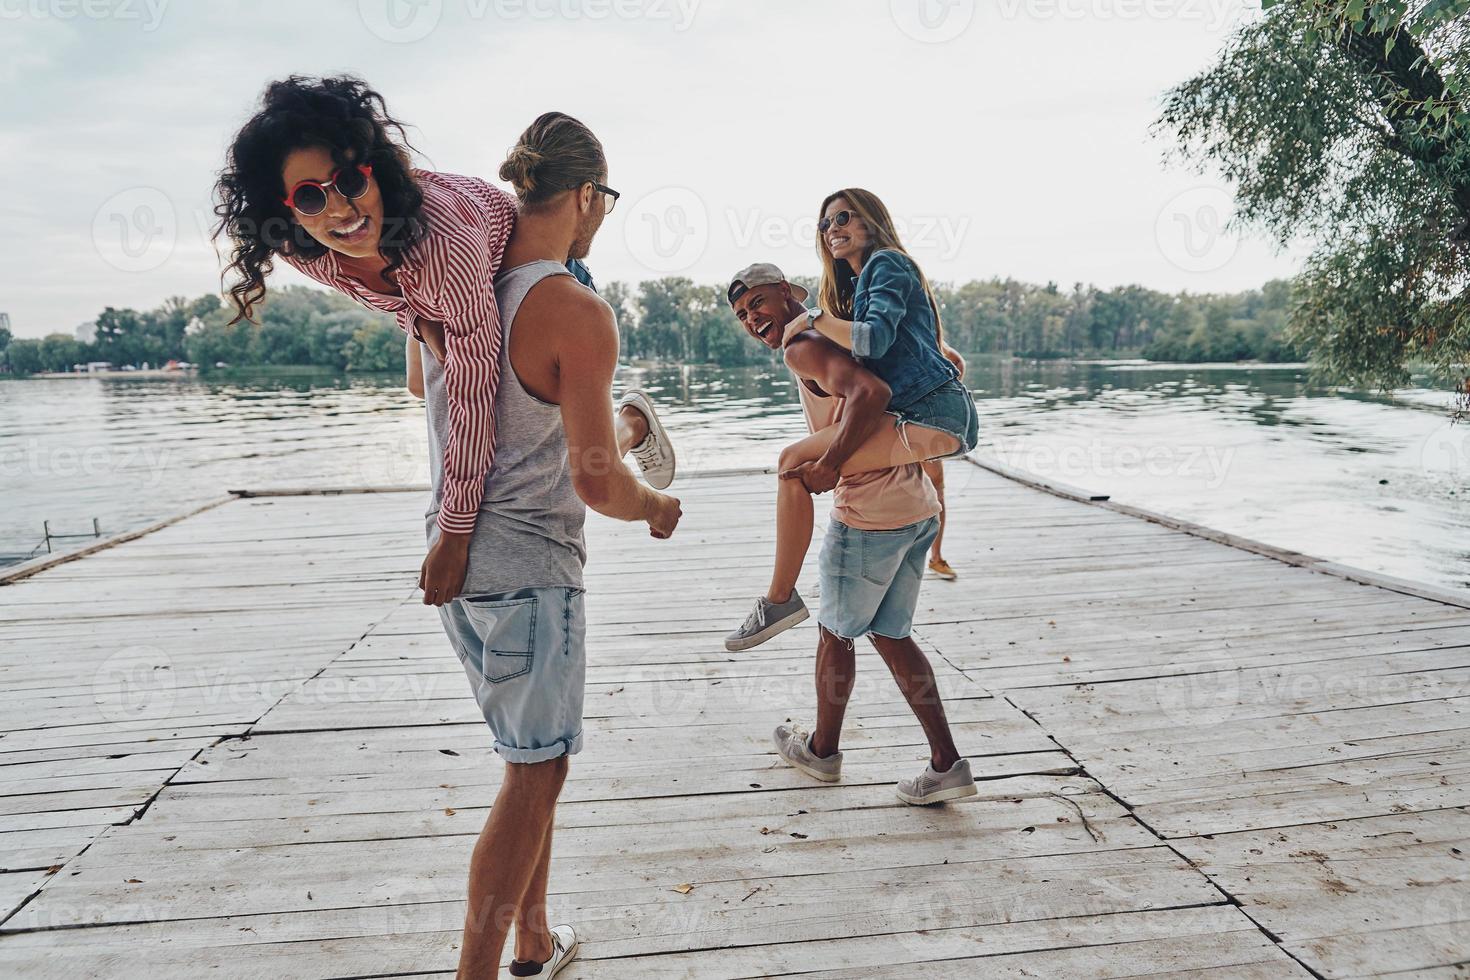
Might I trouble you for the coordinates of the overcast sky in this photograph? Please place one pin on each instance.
(1009, 137)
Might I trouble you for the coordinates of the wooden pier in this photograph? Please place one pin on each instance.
(239, 746)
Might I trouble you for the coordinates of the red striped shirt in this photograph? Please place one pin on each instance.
(449, 276)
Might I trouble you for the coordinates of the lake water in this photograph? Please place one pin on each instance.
(1380, 483)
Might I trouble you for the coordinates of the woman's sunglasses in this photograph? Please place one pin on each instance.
(310, 196)
(840, 219)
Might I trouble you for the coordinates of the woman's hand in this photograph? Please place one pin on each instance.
(792, 329)
(954, 357)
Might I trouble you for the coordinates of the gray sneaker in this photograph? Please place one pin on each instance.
(936, 787)
(655, 454)
(765, 621)
(795, 746)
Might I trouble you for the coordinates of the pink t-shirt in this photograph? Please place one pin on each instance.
(878, 501)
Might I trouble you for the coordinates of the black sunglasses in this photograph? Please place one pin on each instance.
(840, 219)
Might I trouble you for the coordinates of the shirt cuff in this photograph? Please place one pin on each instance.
(452, 523)
(862, 338)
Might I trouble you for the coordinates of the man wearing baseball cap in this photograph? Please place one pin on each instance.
(870, 577)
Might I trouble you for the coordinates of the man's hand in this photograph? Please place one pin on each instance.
(442, 575)
(665, 516)
(817, 477)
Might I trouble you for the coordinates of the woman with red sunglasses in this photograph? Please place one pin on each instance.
(321, 178)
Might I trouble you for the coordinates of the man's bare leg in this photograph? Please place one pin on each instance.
(915, 679)
(533, 932)
(505, 859)
(836, 674)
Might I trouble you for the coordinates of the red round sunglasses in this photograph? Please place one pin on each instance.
(310, 196)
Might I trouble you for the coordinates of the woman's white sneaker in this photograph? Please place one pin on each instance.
(936, 787)
(655, 454)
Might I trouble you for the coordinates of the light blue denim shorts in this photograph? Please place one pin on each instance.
(871, 579)
(525, 653)
(950, 408)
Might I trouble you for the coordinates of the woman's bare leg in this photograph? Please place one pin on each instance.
(794, 510)
(631, 428)
(935, 469)
(795, 515)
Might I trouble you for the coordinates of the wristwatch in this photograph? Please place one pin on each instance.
(811, 318)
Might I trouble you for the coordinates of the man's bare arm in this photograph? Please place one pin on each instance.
(587, 355)
(865, 396)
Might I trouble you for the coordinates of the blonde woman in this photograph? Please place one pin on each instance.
(876, 303)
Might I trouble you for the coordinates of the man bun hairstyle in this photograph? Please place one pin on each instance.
(556, 153)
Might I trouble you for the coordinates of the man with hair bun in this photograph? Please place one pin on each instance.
(519, 627)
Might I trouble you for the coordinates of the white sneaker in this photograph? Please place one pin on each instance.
(655, 454)
(564, 944)
(936, 787)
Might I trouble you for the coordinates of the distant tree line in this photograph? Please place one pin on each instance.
(297, 325)
(674, 319)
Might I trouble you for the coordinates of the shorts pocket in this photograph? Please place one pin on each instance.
(507, 628)
(881, 552)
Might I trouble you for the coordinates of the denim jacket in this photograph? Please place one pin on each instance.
(893, 329)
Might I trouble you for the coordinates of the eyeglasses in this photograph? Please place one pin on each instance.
(840, 219)
(610, 196)
(310, 196)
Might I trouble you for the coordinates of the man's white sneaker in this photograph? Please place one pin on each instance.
(936, 787)
(655, 454)
(564, 944)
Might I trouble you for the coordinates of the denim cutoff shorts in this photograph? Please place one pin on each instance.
(870, 579)
(950, 408)
(525, 653)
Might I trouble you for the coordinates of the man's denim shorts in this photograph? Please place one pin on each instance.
(525, 653)
(870, 579)
(949, 408)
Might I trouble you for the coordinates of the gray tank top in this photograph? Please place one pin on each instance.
(529, 531)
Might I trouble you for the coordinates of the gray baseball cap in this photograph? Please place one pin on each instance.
(761, 274)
